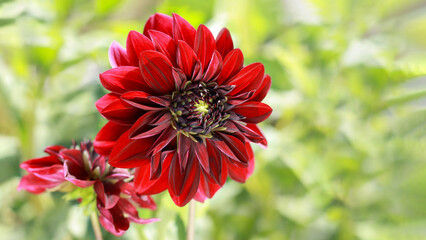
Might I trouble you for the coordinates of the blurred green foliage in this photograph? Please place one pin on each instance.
(347, 148)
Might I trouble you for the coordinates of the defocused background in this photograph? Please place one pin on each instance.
(347, 147)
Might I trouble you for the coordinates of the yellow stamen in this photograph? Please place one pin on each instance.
(202, 107)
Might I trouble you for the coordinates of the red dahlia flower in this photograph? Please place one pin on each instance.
(83, 167)
(182, 109)
(115, 198)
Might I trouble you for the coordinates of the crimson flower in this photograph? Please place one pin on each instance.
(116, 199)
(182, 109)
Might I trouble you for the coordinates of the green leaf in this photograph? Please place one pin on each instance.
(180, 227)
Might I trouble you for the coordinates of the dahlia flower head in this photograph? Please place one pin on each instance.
(81, 167)
(182, 109)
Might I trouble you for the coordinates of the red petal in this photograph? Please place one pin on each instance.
(106, 100)
(142, 181)
(182, 30)
(54, 150)
(204, 45)
(123, 79)
(141, 100)
(248, 79)
(113, 217)
(129, 153)
(224, 42)
(108, 193)
(117, 55)
(76, 176)
(179, 77)
(121, 112)
(241, 174)
(165, 138)
(208, 187)
(157, 72)
(253, 133)
(137, 43)
(218, 168)
(160, 22)
(36, 185)
(261, 92)
(183, 149)
(73, 155)
(214, 67)
(253, 112)
(199, 196)
(236, 145)
(49, 168)
(142, 125)
(232, 64)
(107, 136)
(183, 184)
(142, 200)
(202, 155)
(186, 58)
(164, 44)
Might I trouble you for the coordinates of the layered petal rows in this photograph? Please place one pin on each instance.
(182, 109)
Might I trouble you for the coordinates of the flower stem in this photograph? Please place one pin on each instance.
(96, 227)
(190, 230)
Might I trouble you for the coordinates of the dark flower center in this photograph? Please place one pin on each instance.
(198, 109)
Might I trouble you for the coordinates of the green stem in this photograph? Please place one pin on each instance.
(190, 230)
(96, 226)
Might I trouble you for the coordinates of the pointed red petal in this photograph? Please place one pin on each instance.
(218, 168)
(157, 72)
(186, 58)
(141, 100)
(36, 185)
(123, 79)
(106, 100)
(202, 155)
(204, 45)
(117, 55)
(142, 125)
(183, 147)
(160, 22)
(121, 112)
(137, 43)
(182, 30)
(164, 44)
(253, 133)
(129, 153)
(253, 112)
(248, 79)
(263, 89)
(49, 167)
(232, 64)
(107, 136)
(224, 42)
(242, 174)
(142, 181)
(207, 186)
(236, 145)
(165, 138)
(54, 150)
(183, 185)
(179, 77)
(214, 68)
